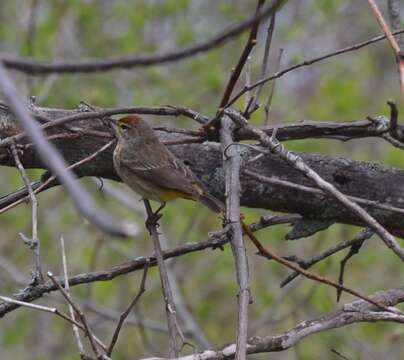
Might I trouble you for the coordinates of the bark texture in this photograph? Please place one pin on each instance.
(360, 179)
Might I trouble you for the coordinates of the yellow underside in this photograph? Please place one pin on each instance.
(168, 195)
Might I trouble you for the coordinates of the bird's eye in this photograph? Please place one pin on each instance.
(124, 126)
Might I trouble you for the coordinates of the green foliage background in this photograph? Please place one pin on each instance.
(344, 88)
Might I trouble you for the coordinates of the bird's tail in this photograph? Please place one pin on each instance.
(211, 202)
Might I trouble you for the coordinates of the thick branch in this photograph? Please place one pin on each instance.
(359, 179)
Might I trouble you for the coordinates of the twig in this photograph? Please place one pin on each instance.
(165, 284)
(394, 17)
(71, 311)
(214, 242)
(310, 275)
(49, 182)
(33, 243)
(30, 35)
(57, 164)
(81, 316)
(191, 327)
(235, 74)
(307, 264)
(125, 314)
(392, 41)
(290, 185)
(264, 67)
(42, 308)
(308, 63)
(231, 165)
(132, 319)
(355, 247)
(272, 90)
(351, 313)
(99, 114)
(297, 162)
(340, 355)
(249, 97)
(36, 67)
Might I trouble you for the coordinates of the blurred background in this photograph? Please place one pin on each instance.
(348, 87)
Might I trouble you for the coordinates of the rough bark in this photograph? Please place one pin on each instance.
(360, 179)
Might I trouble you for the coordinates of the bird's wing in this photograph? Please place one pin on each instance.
(164, 170)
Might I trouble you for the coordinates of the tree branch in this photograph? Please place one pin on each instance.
(36, 67)
(355, 312)
(369, 181)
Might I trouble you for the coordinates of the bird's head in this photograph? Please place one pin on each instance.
(132, 126)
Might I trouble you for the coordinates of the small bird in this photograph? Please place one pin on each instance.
(146, 165)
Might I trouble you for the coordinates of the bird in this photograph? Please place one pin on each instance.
(150, 169)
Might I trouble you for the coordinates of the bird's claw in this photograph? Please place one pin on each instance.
(152, 221)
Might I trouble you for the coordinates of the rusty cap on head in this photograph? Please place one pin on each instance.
(131, 120)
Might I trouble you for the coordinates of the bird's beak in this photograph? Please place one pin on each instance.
(115, 127)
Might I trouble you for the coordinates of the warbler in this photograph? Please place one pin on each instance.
(146, 165)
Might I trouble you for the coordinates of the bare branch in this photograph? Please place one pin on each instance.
(297, 162)
(272, 89)
(310, 275)
(125, 314)
(89, 333)
(355, 312)
(33, 243)
(394, 17)
(35, 67)
(165, 284)
(392, 41)
(71, 311)
(252, 40)
(264, 67)
(308, 63)
(161, 110)
(215, 241)
(307, 264)
(231, 165)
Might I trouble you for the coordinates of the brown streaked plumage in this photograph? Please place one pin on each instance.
(147, 166)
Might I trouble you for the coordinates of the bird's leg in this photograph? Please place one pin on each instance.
(152, 220)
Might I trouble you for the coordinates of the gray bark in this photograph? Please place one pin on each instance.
(360, 179)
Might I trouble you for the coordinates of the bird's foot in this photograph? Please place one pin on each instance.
(152, 221)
